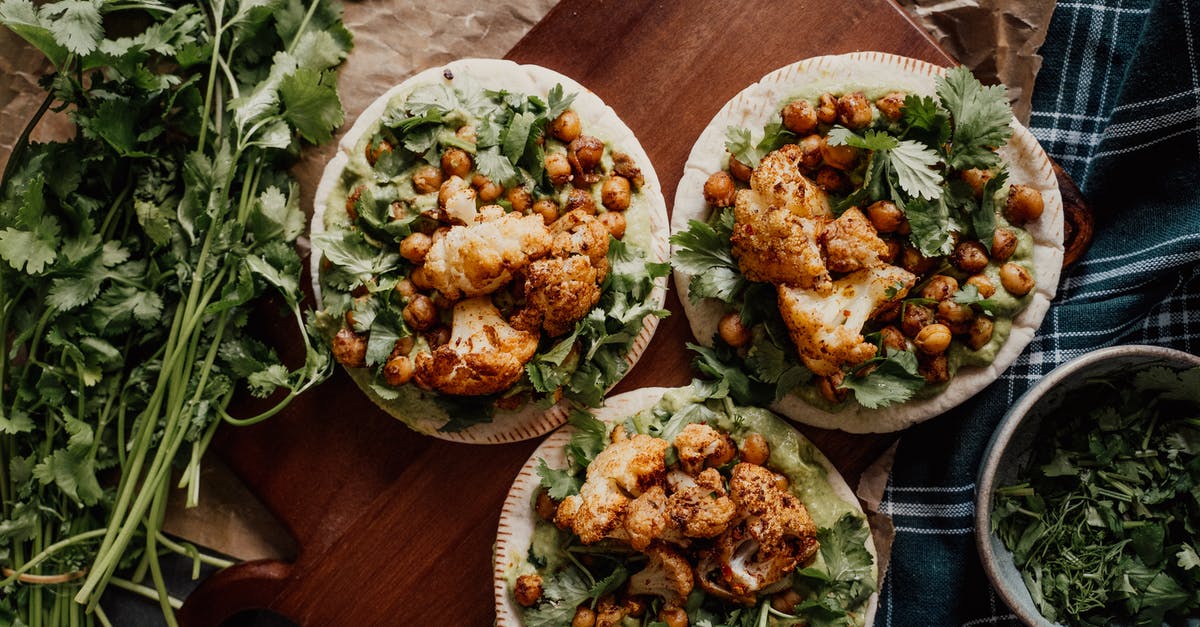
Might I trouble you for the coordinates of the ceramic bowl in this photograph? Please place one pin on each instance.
(1011, 447)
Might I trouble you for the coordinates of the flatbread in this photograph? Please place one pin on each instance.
(598, 119)
(514, 534)
(873, 73)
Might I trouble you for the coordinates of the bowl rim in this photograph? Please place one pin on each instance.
(1002, 437)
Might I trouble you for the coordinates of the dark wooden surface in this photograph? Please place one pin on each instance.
(397, 529)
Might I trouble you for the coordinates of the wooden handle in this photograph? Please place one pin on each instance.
(1078, 220)
(241, 587)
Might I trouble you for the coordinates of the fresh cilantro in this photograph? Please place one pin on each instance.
(561, 594)
(559, 483)
(983, 220)
(557, 102)
(969, 295)
(704, 252)
(589, 439)
(932, 226)
(741, 145)
(911, 164)
(721, 364)
(925, 120)
(894, 379)
(982, 119)
(846, 578)
(311, 104)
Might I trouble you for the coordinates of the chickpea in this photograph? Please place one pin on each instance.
(545, 506)
(614, 221)
(781, 482)
(375, 151)
(546, 208)
(719, 190)
(466, 132)
(581, 199)
(420, 312)
(935, 368)
(755, 449)
(634, 606)
(829, 388)
(885, 216)
(1016, 279)
(427, 179)
(1004, 244)
(415, 247)
(853, 111)
(488, 191)
(826, 109)
(558, 168)
(584, 617)
(892, 338)
(810, 151)
(799, 117)
(893, 250)
(405, 288)
(983, 284)
(977, 179)
(940, 287)
(912, 260)
(349, 348)
(443, 302)
(398, 371)
(832, 180)
(980, 332)
(732, 331)
(1024, 204)
(403, 346)
(914, 318)
(528, 589)
(519, 198)
(933, 339)
(969, 256)
(420, 278)
(438, 336)
(456, 162)
(891, 105)
(888, 312)
(352, 200)
(786, 601)
(673, 617)
(841, 157)
(739, 170)
(614, 193)
(566, 127)
(955, 315)
(584, 153)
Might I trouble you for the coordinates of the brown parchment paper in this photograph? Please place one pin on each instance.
(997, 39)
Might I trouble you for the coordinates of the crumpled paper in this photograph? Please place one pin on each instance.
(997, 39)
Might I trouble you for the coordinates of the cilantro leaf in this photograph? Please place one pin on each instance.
(969, 295)
(556, 102)
(561, 594)
(923, 118)
(705, 252)
(846, 579)
(76, 24)
(982, 119)
(21, 17)
(911, 164)
(893, 380)
(496, 166)
(311, 104)
(931, 224)
(983, 219)
(589, 439)
(559, 483)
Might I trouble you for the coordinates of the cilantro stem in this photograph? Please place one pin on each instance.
(160, 584)
(312, 8)
(218, 30)
(47, 553)
(187, 549)
(143, 591)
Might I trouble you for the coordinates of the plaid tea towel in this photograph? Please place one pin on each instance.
(1117, 103)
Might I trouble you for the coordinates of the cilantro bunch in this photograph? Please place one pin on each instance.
(139, 261)
(1104, 520)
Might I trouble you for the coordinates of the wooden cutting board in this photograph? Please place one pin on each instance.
(397, 529)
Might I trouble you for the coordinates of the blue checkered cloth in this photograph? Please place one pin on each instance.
(1117, 103)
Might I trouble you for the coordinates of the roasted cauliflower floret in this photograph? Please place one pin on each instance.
(700, 445)
(456, 201)
(827, 329)
(702, 510)
(481, 257)
(623, 470)
(484, 354)
(851, 243)
(646, 519)
(580, 233)
(778, 179)
(772, 244)
(558, 293)
(667, 575)
(775, 514)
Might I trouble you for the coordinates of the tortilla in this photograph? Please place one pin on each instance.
(514, 534)
(877, 72)
(599, 120)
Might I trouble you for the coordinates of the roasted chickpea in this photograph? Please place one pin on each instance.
(614, 193)
(438, 336)
(781, 480)
(891, 105)
(980, 332)
(519, 198)
(456, 162)
(786, 601)
(352, 200)
(892, 338)
(732, 331)
(719, 190)
(580, 199)
(885, 216)
(566, 126)
(546, 208)
(1004, 244)
(912, 260)
(558, 168)
(1024, 204)
(584, 617)
(545, 506)
(826, 109)
(398, 371)
(673, 617)
(935, 368)
(755, 449)
(349, 348)
(420, 313)
(810, 150)
(403, 346)
(584, 153)
(1016, 279)
(933, 339)
(940, 287)
(375, 151)
(893, 250)
(832, 180)
(739, 170)
(983, 284)
(528, 589)
(969, 256)
(842, 157)
(415, 247)
(466, 132)
(955, 315)
(853, 110)
(634, 606)
(614, 221)
(487, 190)
(828, 387)
(405, 288)
(799, 117)
(914, 318)
(427, 179)
(420, 278)
(977, 179)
